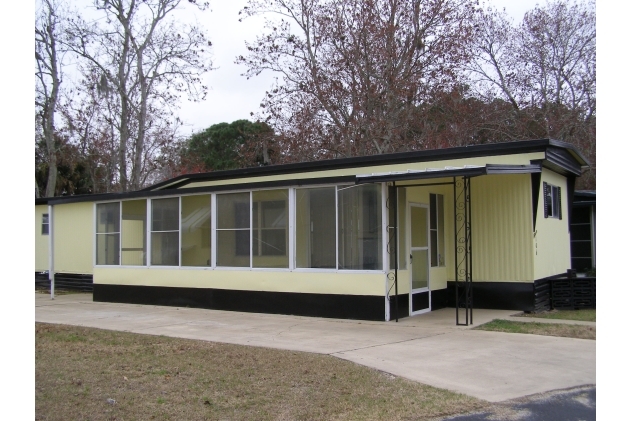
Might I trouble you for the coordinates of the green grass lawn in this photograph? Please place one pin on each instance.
(547, 329)
(585, 315)
(85, 373)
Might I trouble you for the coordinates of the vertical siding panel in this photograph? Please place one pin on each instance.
(553, 237)
(501, 229)
(73, 236)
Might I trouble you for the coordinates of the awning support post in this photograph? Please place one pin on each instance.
(463, 270)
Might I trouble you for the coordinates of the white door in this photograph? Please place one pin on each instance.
(419, 258)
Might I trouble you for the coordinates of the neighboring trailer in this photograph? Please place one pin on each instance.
(41, 238)
(375, 238)
(583, 231)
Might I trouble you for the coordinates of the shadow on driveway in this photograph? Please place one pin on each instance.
(576, 404)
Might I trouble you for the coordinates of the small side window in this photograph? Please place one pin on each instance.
(45, 224)
(552, 201)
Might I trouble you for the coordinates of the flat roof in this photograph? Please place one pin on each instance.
(562, 156)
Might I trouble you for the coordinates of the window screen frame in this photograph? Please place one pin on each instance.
(96, 234)
(291, 231)
(435, 215)
(46, 224)
(294, 224)
(151, 232)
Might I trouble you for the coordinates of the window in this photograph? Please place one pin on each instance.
(233, 230)
(334, 229)
(108, 233)
(269, 232)
(315, 228)
(45, 224)
(437, 230)
(134, 233)
(196, 227)
(359, 227)
(551, 201)
(165, 235)
(401, 224)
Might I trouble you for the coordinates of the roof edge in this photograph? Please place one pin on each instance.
(501, 148)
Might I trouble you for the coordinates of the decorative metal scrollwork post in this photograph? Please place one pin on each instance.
(462, 241)
(393, 245)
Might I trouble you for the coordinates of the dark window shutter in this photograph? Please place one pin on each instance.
(545, 199)
(559, 198)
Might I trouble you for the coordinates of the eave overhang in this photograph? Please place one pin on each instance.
(489, 149)
(584, 198)
(447, 172)
(559, 156)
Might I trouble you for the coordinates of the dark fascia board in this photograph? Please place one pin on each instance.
(580, 158)
(489, 169)
(171, 186)
(42, 200)
(583, 203)
(489, 149)
(585, 193)
(584, 198)
(141, 194)
(561, 161)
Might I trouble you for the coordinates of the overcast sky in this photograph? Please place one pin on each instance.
(232, 96)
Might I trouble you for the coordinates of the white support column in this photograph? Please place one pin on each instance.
(385, 239)
(291, 234)
(179, 228)
(148, 233)
(94, 236)
(120, 233)
(385, 235)
(51, 252)
(213, 230)
(252, 228)
(337, 230)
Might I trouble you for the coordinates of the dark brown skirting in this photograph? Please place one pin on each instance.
(498, 295)
(362, 307)
(65, 281)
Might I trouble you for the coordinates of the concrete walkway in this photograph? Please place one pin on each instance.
(428, 348)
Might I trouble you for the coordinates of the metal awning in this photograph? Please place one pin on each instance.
(461, 182)
(465, 171)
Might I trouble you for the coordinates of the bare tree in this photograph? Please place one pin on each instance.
(353, 72)
(145, 59)
(545, 67)
(49, 22)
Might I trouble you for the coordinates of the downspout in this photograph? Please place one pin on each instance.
(51, 254)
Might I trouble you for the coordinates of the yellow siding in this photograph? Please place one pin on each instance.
(516, 159)
(502, 231)
(73, 235)
(501, 211)
(246, 280)
(552, 241)
(41, 241)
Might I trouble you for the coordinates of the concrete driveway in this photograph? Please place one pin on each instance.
(428, 348)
